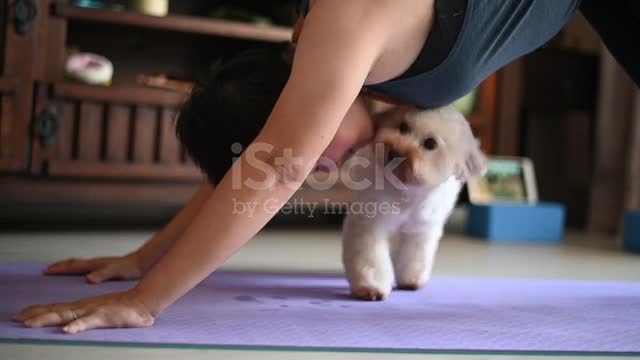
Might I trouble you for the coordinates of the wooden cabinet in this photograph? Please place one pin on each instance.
(62, 141)
(67, 142)
(17, 48)
(123, 133)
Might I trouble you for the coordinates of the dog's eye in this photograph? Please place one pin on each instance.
(430, 144)
(404, 128)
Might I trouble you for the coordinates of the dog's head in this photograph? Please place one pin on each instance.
(433, 145)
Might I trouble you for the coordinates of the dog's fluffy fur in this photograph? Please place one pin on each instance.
(432, 176)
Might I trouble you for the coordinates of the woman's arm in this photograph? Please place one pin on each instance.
(149, 254)
(332, 61)
(334, 57)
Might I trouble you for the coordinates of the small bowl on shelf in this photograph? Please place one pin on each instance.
(151, 7)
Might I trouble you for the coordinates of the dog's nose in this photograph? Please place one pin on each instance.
(394, 155)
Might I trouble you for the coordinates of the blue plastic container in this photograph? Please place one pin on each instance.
(513, 222)
(632, 231)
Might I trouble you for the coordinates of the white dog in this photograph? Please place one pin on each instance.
(437, 154)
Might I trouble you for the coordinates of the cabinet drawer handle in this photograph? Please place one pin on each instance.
(47, 127)
(25, 12)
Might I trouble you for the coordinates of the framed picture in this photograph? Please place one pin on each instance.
(508, 179)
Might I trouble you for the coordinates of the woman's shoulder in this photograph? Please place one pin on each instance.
(354, 16)
(380, 16)
(358, 9)
(396, 30)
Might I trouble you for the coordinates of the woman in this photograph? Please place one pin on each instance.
(423, 53)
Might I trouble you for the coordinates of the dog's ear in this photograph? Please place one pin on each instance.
(473, 164)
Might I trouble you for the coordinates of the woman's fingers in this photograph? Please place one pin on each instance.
(109, 317)
(115, 310)
(93, 320)
(61, 316)
(74, 266)
(104, 273)
(65, 266)
(121, 270)
(97, 270)
(32, 311)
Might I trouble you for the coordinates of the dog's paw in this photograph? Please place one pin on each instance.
(411, 280)
(369, 293)
(370, 278)
(411, 286)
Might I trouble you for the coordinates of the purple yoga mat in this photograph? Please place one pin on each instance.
(314, 311)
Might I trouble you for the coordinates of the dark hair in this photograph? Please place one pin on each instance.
(232, 106)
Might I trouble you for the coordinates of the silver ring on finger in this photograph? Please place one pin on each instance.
(75, 315)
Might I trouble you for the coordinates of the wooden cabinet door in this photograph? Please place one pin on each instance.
(110, 133)
(16, 78)
(100, 133)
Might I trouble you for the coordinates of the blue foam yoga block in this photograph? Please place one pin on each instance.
(632, 231)
(508, 222)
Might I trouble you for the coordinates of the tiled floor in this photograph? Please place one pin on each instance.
(319, 250)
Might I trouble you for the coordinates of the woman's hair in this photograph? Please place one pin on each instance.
(232, 106)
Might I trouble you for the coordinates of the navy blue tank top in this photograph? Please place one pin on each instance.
(473, 39)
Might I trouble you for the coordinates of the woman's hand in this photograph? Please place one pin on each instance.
(98, 270)
(117, 310)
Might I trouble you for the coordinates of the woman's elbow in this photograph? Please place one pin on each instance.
(280, 168)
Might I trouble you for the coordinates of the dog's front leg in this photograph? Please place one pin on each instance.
(366, 259)
(414, 257)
